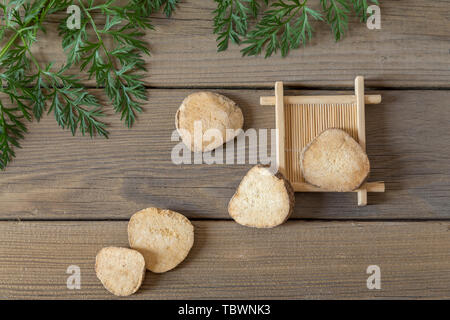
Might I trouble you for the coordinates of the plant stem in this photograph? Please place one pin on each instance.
(46, 6)
(8, 44)
(94, 27)
(27, 48)
(122, 81)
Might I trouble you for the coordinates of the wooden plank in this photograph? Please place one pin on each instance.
(296, 260)
(410, 50)
(57, 176)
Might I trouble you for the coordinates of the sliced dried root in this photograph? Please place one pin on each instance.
(334, 161)
(120, 270)
(163, 237)
(210, 111)
(262, 200)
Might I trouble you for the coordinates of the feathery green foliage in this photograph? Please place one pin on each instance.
(148, 7)
(111, 53)
(284, 24)
(111, 50)
(231, 20)
(336, 13)
(283, 27)
(115, 67)
(360, 7)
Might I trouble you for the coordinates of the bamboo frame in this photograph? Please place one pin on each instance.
(361, 118)
(299, 119)
(279, 119)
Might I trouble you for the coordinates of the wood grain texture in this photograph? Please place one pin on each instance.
(410, 50)
(296, 260)
(57, 176)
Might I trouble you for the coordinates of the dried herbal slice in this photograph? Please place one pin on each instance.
(262, 200)
(164, 237)
(120, 270)
(334, 161)
(208, 110)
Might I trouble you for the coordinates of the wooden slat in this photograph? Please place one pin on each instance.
(377, 186)
(411, 49)
(361, 122)
(296, 260)
(57, 176)
(369, 99)
(280, 121)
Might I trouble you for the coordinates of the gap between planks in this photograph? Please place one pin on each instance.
(347, 220)
(286, 87)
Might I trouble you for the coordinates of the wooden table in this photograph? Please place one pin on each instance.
(63, 198)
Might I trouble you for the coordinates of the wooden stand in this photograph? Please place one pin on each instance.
(299, 119)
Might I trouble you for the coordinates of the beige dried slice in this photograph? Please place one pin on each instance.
(164, 237)
(263, 199)
(334, 161)
(120, 270)
(206, 120)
